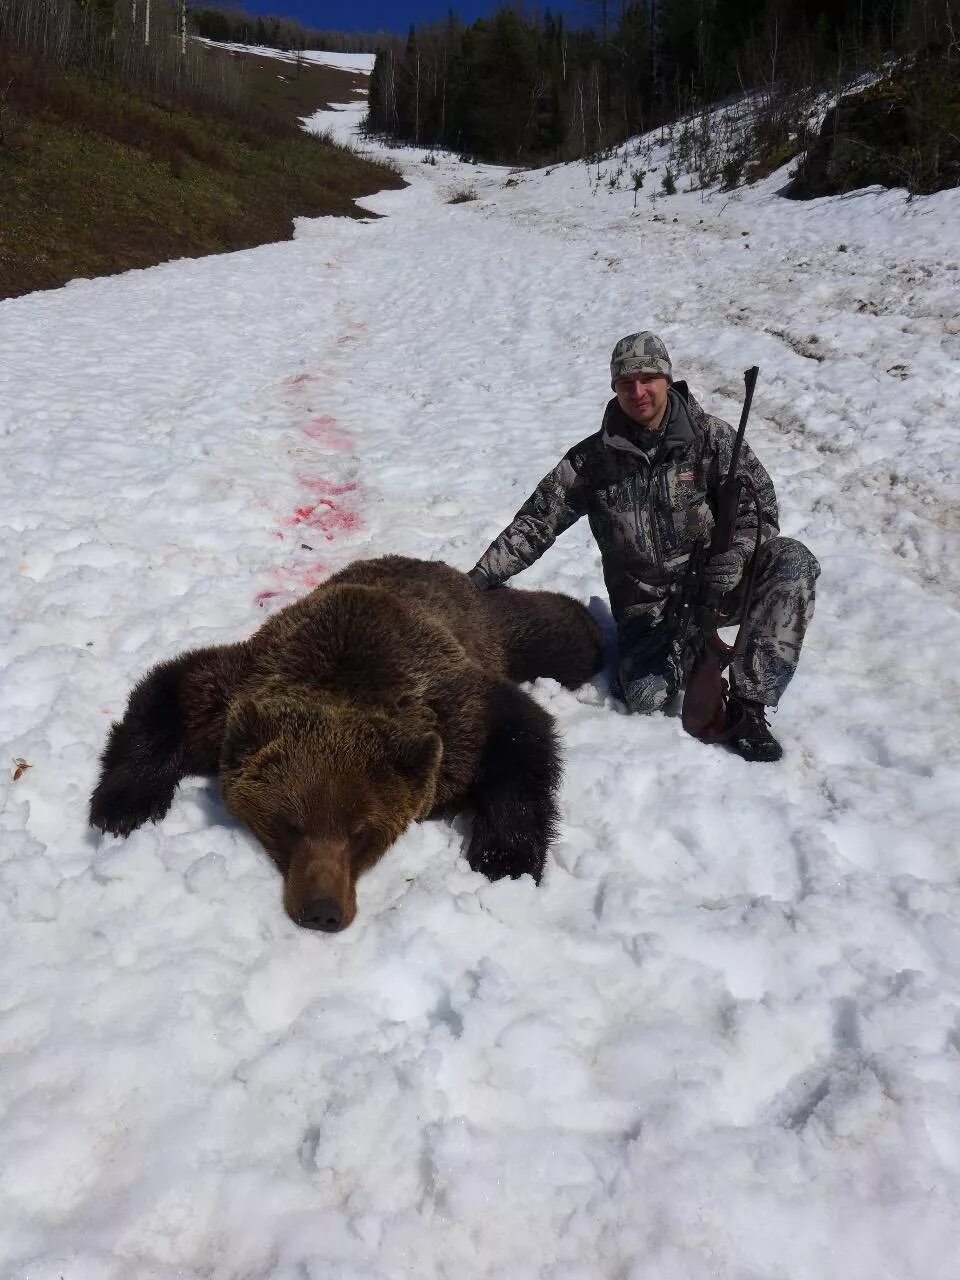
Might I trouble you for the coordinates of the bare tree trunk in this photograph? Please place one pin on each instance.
(390, 95)
(599, 120)
(443, 102)
(146, 23)
(536, 94)
(653, 40)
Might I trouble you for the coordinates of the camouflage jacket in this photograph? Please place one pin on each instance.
(648, 496)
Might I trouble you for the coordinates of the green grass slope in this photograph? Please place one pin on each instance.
(97, 176)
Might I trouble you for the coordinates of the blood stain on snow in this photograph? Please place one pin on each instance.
(290, 584)
(313, 576)
(327, 431)
(325, 514)
(327, 518)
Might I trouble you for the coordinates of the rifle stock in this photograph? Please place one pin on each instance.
(704, 712)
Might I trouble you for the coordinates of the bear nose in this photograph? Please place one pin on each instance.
(322, 913)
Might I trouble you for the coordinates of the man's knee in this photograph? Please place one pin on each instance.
(786, 559)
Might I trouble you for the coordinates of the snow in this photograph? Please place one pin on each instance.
(361, 63)
(722, 1039)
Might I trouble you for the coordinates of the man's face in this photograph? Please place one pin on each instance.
(643, 398)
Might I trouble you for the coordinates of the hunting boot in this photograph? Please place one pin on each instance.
(751, 737)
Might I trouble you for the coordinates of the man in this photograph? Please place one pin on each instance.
(648, 481)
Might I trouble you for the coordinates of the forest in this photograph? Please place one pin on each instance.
(517, 90)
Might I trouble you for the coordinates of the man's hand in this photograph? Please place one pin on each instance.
(722, 572)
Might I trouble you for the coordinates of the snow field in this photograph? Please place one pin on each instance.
(723, 1037)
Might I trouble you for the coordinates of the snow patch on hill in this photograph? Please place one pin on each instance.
(361, 63)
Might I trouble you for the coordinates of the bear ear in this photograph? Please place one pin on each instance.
(248, 729)
(417, 759)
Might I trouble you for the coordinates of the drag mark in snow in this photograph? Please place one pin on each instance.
(328, 512)
(352, 338)
(325, 487)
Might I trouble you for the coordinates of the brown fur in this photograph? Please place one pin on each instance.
(381, 697)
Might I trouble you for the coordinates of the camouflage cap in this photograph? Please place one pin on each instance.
(640, 353)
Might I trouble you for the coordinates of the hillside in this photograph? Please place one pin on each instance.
(98, 176)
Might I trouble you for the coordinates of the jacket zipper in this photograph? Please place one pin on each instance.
(643, 473)
(657, 548)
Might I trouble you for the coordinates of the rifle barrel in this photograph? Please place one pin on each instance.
(750, 381)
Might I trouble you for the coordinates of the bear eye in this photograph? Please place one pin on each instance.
(361, 838)
(287, 829)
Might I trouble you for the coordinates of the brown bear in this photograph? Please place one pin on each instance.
(385, 695)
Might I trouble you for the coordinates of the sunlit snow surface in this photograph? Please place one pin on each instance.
(722, 1039)
(359, 62)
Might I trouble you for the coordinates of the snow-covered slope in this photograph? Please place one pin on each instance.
(722, 1039)
(359, 62)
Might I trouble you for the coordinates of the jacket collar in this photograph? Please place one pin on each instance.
(676, 435)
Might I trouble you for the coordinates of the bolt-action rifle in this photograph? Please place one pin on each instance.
(700, 612)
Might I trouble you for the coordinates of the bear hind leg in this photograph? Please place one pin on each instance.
(514, 790)
(546, 633)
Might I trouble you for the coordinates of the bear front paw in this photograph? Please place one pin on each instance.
(119, 805)
(496, 862)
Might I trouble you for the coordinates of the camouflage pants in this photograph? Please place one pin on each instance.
(653, 667)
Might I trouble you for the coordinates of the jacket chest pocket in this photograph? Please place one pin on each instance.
(679, 488)
(682, 500)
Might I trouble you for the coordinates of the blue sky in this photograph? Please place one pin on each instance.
(371, 15)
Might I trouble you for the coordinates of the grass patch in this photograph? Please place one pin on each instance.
(97, 176)
(462, 195)
(283, 90)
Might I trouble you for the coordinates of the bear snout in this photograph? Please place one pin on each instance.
(323, 913)
(320, 885)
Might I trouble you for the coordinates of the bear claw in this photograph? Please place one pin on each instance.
(497, 863)
(118, 811)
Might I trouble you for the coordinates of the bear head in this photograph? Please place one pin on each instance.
(326, 786)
